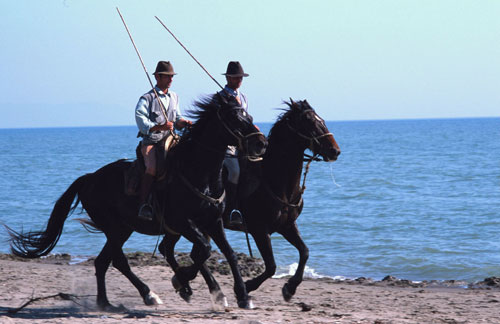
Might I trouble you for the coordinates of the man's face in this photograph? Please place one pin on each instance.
(164, 81)
(234, 82)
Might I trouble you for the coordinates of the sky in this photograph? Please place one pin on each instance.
(66, 63)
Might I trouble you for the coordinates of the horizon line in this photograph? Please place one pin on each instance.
(269, 122)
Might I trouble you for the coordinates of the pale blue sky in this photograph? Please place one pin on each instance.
(70, 63)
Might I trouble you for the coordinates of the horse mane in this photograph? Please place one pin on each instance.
(202, 113)
(203, 110)
(294, 107)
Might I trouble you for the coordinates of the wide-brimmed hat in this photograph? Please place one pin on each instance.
(234, 69)
(164, 67)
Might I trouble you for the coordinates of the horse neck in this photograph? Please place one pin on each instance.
(282, 165)
(203, 159)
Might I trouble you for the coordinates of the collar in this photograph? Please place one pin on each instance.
(232, 92)
(161, 93)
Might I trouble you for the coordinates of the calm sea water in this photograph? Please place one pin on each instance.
(417, 199)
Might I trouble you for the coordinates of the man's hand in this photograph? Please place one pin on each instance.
(181, 123)
(167, 126)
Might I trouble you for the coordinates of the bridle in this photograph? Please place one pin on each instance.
(312, 139)
(242, 139)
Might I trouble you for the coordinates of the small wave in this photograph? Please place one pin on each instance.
(78, 259)
(285, 271)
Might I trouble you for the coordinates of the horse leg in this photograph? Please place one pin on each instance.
(216, 293)
(101, 264)
(263, 241)
(120, 262)
(216, 232)
(185, 274)
(112, 251)
(292, 235)
(166, 248)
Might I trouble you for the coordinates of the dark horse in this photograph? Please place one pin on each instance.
(192, 200)
(277, 202)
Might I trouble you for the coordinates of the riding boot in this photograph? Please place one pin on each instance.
(146, 210)
(235, 216)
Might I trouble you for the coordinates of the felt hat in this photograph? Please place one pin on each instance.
(164, 67)
(234, 69)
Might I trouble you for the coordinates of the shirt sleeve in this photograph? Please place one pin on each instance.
(177, 110)
(246, 100)
(142, 117)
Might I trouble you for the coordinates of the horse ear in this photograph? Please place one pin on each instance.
(292, 103)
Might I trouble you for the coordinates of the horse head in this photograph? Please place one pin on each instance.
(239, 128)
(311, 128)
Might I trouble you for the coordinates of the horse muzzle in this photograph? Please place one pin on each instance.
(256, 145)
(331, 154)
(329, 149)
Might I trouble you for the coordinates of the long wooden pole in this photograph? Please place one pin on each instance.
(144, 67)
(184, 47)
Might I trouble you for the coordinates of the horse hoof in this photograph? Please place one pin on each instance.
(152, 299)
(219, 301)
(112, 309)
(287, 295)
(184, 291)
(246, 304)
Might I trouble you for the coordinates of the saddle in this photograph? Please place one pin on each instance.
(135, 172)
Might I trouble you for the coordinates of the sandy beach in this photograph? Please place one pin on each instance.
(316, 301)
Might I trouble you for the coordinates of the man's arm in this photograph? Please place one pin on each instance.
(180, 122)
(144, 123)
(142, 117)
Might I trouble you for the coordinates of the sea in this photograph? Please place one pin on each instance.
(415, 199)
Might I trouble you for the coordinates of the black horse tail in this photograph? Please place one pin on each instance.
(37, 244)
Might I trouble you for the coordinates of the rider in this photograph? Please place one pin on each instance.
(234, 77)
(155, 122)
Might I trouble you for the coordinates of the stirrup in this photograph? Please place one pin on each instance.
(235, 218)
(146, 212)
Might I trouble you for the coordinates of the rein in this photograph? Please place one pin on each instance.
(210, 200)
(302, 189)
(239, 137)
(312, 140)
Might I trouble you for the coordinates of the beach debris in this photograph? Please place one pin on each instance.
(363, 280)
(63, 296)
(492, 281)
(304, 307)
